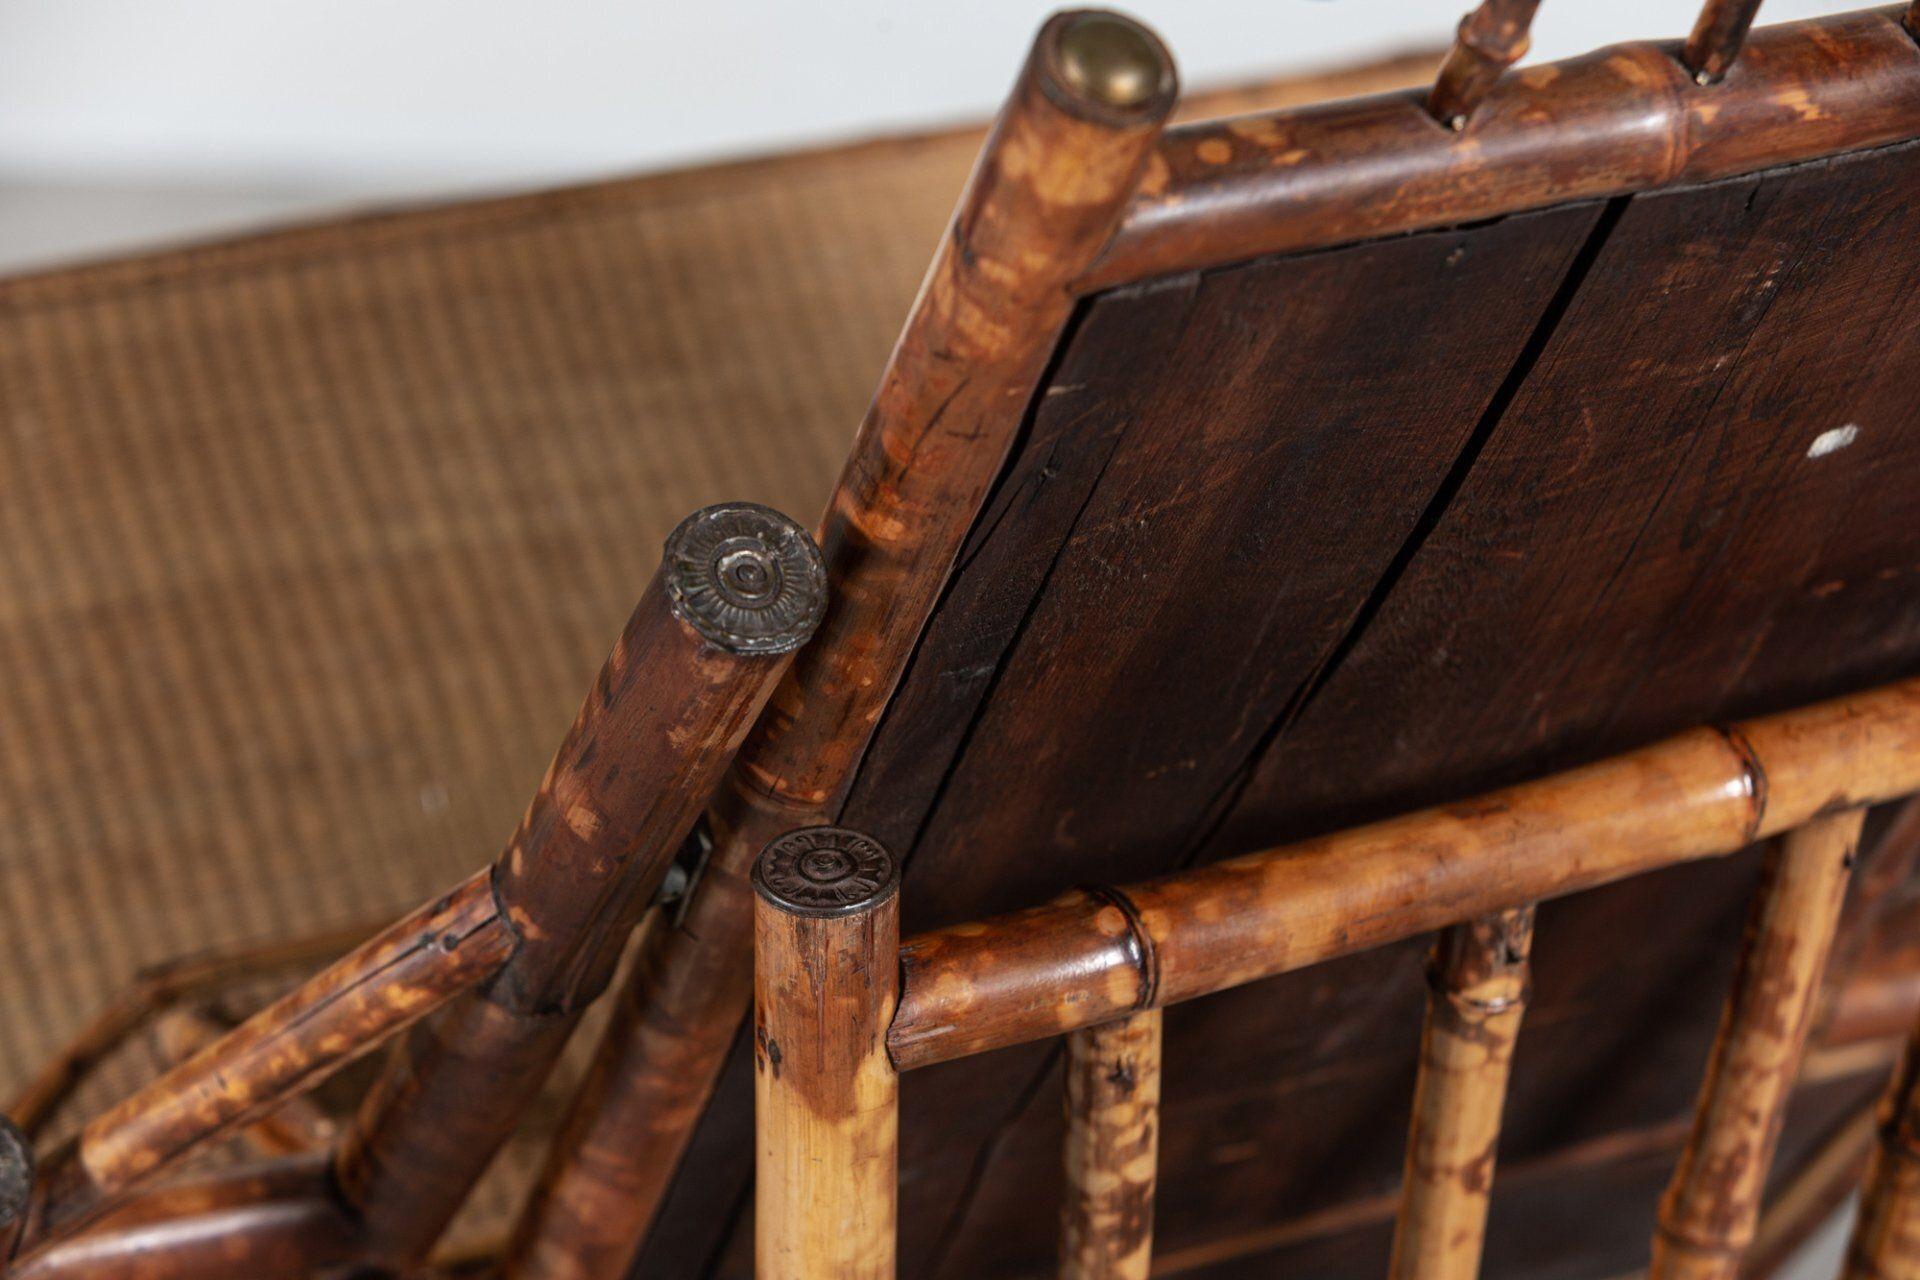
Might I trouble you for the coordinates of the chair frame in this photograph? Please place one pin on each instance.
(1079, 188)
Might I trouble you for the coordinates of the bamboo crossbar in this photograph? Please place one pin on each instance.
(1088, 957)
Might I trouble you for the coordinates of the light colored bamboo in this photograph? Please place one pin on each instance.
(1716, 38)
(1112, 1149)
(826, 942)
(1710, 1210)
(297, 1126)
(1479, 980)
(1083, 960)
(1886, 1237)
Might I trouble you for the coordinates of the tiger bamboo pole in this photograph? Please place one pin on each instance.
(393, 979)
(739, 589)
(1886, 1237)
(1712, 1206)
(270, 1221)
(826, 1096)
(1490, 39)
(1088, 958)
(1060, 164)
(1112, 1149)
(296, 1126)
(1479, 987)
(1716, 38)
(154, 990)
(1623, 119)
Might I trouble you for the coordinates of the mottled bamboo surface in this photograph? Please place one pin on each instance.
(273, 505)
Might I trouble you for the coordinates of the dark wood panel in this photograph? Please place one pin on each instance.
(1305, 542)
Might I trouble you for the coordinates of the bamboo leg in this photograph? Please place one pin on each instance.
(1113, 1139)
(334, 1017)
(826, 975)
(153, 991)
(1479, 983)
(1491, 38)
(1886, 1238)
(1049, 188)
(740, 588)
(1716, 38)
(1709, 1212)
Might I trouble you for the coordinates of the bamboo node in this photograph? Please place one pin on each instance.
(825, 871)
(16, 1172)
(746, 578)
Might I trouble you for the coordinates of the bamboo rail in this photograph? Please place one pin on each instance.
(1112, 1147)
(1479, 986)
(1886, 1237)
(1491, 38)
(1712, 1206)
(1047, 191)
(826, 932)
(739, 589)
(1716, 38)
(1620, 120)
(1082, 959)
(294, 1127)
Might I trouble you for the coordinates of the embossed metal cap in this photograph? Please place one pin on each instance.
(1110, 62)
(16, 1172)
(746, 578)
(825, 871)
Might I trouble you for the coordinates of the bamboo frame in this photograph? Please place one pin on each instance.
(1490, 39)
(1112, 1149)
(1716, 38)
(1082, 960)
(826, 932)
(1712, 1206)
(1479, 986)
(1047, 191)
(1885, 1244)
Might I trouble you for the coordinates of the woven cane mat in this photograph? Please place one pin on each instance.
(310, 542)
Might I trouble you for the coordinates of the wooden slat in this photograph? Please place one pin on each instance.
(1112, 1149)
(1712, 1206)
(1480, 984)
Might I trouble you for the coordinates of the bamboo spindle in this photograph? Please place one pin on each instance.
(1479, 987)
(1708, 1215)
(1886, 1237)
(1717, 36)
(1064, 158)
(826, 1097)
(1490, 39)
(1112, 1149)
(1083, 959)
(339, 1014)
(740, 587)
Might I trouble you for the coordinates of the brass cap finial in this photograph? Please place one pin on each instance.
(825, 871)
(1112, 60)
(746, 578)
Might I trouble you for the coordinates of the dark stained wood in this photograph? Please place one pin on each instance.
(1620, 120)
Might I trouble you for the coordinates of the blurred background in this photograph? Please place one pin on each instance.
(126, 123)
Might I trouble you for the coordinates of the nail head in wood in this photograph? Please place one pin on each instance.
(746, 578)
(825, 871)
(16, 1172)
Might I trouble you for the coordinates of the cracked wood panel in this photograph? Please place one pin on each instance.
(1299, 543)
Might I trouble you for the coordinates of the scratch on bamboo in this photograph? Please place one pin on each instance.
(1112, 1149)
(1711, 1207)
(1479, 979)
(1886, 1237)
(826, 1096)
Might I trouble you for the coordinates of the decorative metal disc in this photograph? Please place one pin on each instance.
(747, 578)
(16, 1172)
(825, 871)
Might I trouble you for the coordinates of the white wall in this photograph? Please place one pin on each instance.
(419, 94)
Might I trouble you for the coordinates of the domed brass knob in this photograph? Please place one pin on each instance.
(1111, 60)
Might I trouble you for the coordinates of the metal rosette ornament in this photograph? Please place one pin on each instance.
(825, 871)
(746, 578)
